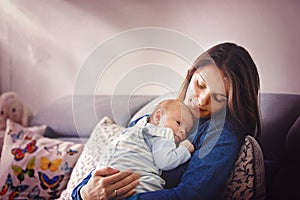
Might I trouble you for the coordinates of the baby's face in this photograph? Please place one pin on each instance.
(180, 121)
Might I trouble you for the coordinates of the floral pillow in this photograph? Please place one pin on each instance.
(104, 132)
(33, 166)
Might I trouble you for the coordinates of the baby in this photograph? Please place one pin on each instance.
(154, 144)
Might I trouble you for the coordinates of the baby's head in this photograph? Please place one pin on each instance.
(173, 114)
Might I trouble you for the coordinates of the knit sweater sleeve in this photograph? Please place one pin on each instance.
(217, 147)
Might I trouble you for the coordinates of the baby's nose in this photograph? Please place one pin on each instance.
(182, 132)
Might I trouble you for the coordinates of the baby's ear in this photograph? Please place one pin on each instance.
(157, 116)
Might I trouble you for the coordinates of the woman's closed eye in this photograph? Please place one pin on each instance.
(219, 98)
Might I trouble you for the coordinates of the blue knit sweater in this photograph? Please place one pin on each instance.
(217, 143)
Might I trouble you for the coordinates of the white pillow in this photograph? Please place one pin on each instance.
(104, 132)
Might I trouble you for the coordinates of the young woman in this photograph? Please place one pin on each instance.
(221, 89)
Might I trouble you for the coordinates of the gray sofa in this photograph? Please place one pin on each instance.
(74, 118)
(280, 142)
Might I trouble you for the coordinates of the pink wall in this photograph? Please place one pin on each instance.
(44, 44)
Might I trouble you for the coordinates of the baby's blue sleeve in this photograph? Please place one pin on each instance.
(136, 120)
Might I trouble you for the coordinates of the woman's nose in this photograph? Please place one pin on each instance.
(203, 98)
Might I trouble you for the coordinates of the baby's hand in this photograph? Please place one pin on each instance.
(188, 145)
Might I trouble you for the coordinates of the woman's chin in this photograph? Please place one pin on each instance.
(196, 113)
(200, 113)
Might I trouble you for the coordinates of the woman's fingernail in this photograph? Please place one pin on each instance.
(137, 175)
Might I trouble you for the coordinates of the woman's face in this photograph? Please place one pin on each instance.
(207, 93)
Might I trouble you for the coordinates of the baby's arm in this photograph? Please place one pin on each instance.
(165, 154)
(188, 145)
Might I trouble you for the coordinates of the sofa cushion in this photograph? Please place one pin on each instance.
(280, 142)
(247, 178)
(292, 145)
(285, 183)
(76, 116)
(279, 113)
(37, 129)
(33, 166)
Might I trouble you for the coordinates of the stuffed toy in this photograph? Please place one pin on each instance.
(11, 107)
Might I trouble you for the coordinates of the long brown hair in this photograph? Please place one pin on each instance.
(243, 81)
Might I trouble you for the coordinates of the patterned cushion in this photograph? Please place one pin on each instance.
(37, 129)
(247, 178)
(33, 166)
(104, 132)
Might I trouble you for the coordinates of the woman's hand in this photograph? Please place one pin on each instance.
(108, 183)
